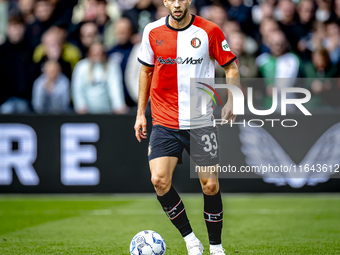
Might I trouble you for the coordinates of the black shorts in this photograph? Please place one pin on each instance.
(201, 144)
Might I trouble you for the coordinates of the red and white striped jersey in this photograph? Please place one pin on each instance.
(178, 55)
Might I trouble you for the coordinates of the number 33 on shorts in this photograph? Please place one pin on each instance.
(204, 145)
(211, 143)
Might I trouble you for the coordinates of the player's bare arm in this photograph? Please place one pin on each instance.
(145, 78)
(232, 78)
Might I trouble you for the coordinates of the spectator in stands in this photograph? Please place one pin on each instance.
(242, 14)
(62, 14)
(140, 15)
(97, 12)
(105, 25)
(3, 20)
(230, 26)
(320, 68)
(306, 12)
(279, 69)
(202, 5)
(97, 84)
(289, 24)
(54, 47)
(88, 34)
(6, 8)
(217, 14)
(51, 90)
(324, 10)
(51, 49)
(332, 42)
(16, 69)
(337, 11)
(121, 52)
(263, 10)
(313, 41)
(85, 11)
(267, 27)
(246, 62)
(43, 11)
(88, 10)
(26, 8)
(250, 46)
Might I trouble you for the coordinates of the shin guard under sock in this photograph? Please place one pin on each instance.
(175, 210)
(213, 215)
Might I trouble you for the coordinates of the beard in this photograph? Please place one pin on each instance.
(180, 18)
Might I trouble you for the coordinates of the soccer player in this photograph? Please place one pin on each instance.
(174, 49)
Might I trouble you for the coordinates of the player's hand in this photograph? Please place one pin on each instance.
(140, 128)
(227, 113)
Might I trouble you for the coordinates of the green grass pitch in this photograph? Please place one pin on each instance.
(90, 224)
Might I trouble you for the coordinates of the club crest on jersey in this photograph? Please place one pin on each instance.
(225, 45)
(195, 42)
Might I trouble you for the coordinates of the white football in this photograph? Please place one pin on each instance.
(147, 242)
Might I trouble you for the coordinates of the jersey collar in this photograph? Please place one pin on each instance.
(179, 29)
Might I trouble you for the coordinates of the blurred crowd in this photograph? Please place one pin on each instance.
(61, 56)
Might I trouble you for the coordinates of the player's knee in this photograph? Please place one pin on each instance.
(160, 183)
(210, 187)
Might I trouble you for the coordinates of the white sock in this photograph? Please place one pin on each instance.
(190, 237)
(216, 246)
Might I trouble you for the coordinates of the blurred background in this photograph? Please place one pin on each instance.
(55, 53)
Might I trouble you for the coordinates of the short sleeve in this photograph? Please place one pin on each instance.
(219, 48)
(146, 55)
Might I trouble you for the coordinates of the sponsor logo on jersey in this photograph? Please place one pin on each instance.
(159, 43)
(180, 61)
(195, 42)
(225, 45)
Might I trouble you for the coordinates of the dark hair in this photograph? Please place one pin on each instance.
(46, 1)
(49, 61)
(16, 19)
(105, 62)
(97, 41)
(330, 22)
(323, 52)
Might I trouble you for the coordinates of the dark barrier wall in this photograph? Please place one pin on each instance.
(99, 154)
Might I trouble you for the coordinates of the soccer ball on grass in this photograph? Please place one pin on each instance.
(147, 242)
